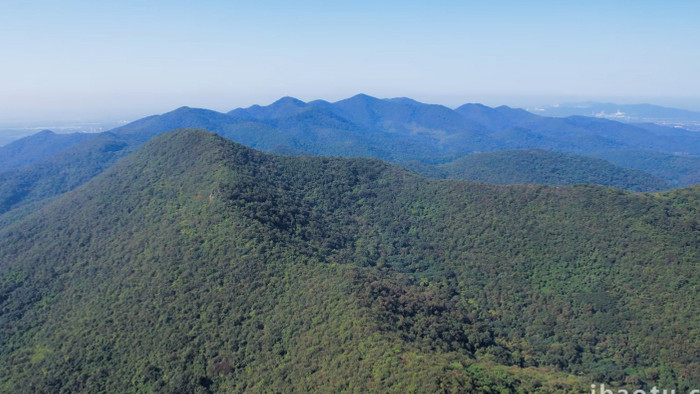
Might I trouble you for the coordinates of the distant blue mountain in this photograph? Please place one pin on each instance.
(407, 117)
(431, 139)
(282, 108)
(402, 130)
(497, 118)
(36, 147)
(61, 172)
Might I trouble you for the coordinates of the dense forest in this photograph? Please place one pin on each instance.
(196, 264)
(540, 167)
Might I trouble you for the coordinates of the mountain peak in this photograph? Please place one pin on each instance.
(189, 111)
(192, 149)
(283, 108)
(404, 100)
(288, 100)
(184, 138)
(361, 97)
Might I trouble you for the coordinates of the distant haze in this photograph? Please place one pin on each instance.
(122, 60)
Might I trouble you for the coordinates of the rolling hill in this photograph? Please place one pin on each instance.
(196, 264)
(677, 169)
(543, 167)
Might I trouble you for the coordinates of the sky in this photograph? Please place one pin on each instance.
(112, 60)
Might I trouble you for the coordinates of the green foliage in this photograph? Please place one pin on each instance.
(549, 168)
(198, 265)
(60, 173)
(678, 169)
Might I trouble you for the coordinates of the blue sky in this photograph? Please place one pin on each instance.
(125, 59)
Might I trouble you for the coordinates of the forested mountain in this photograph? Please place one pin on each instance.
(679, 170)
(541, 167)
(36, 148)
(431, 139)
(27, 188)
(196, 264)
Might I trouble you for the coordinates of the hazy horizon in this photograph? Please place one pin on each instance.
(61, 118)
(75, 60)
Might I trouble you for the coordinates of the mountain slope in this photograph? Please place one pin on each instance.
(549, 168)
(678, 170)
(496, 118)
(314, 130)
(198, 264)
(237, 296)
(403, 115)
(60, 173)
(35, 148)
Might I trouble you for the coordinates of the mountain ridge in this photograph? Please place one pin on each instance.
(419, 136)
(197, 249)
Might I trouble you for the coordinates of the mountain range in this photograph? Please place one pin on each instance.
(196, 264)
(431, 139)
